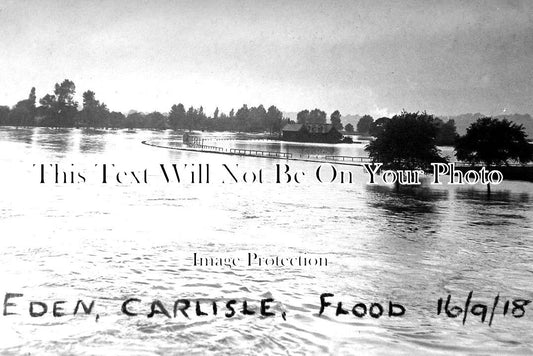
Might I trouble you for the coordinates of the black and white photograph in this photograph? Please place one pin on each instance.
(246, 177)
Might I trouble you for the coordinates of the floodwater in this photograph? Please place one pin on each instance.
(110, 242)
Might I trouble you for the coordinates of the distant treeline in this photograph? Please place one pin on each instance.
(59, 109)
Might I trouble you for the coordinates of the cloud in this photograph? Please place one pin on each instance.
(446, 57)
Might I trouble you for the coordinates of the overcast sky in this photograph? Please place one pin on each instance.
(377, 57)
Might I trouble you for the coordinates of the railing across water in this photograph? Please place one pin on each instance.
(244, 152)
(208, 148)
(348, 158)
(267, 154)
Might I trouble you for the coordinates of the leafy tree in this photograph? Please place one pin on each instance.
(201, 113)
(257, 119)
(46, 110)
(447, 132)
(32, 97)
(407, 141)
(349, 128)
(19, 116)
(215, 114)
(302, 117)
(274, 117)
(335, 119)
(60, 108)
(66, 106)
(116, 119)
(317, 116)
(177, 116)
(494, 142)
(377, 126)
(93, 113)
(190, 118)
(242, 116)
(155, 120)
(201, 118)
(364, 124)
(134, 119)
(23, 113)
(4, 113)
(89, 100)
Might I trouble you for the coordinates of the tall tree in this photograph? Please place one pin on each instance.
(377, 126)
(349, 128)
(156, 120)
(364, 124)
(190, 118)
(201, 113)
(117, 119)
(447, 133)
(32, 97)
(4, 113)
(177, 116)
(134, 119)
(335, 119)
(302, 117)
(67, 107)
(242, 117)
(274, 117)
(60, 108)
(317, 116)
(46, 110)
(257, 119)
(93, 113)
(23, 113)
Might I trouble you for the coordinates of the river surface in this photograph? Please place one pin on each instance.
(114, 241)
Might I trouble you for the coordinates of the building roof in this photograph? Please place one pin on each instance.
(293, 127)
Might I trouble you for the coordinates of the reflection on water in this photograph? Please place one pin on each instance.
(504, 196)
(408, 200)
(91, 142)
(56, 140)
(21, 134)
(112, 242)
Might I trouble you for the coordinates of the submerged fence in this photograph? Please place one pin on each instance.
(198, 147)
(257, 153)
(348, 159)
(206, 148)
